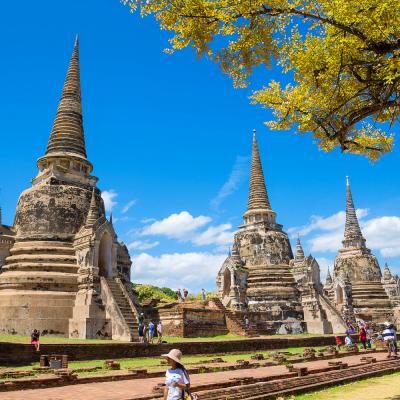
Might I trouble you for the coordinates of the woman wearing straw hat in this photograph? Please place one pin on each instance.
(177, 379)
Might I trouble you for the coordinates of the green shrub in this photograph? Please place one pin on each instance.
(148, 292)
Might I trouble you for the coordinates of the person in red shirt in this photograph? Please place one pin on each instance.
(338, 342)
(363, 337)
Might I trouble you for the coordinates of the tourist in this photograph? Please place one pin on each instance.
(145, 333)
(246, 322)
(185, 294)
(176, 377)
(338, 342)
(159, 332)
(141, 319)
(363, 337)
(203, 295)
(152, 330)
(368, 330)
(347, 340)
(393, 326)
(141, 332)
(179, 295)
(35, 335)
(388, 337)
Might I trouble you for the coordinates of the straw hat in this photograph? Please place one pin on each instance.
(175, 355)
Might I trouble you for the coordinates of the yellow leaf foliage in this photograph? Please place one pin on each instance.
(344, 56)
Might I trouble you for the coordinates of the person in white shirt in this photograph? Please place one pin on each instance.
(388, 336)
(176, 377)
(347, 340)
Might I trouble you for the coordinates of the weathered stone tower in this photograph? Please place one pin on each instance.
(356, 284)
(259, 277)
(67, 273)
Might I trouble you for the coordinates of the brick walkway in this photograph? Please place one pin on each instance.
(124, 390)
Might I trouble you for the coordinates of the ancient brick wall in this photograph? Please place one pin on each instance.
(17, 353)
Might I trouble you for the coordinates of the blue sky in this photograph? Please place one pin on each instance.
(170, 140)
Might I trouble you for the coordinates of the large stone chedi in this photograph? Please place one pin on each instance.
(66, 273)
(256, 277)
(356, 287)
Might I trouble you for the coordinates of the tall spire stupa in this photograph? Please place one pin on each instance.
(353, 237)
(270, 288)
(356, 265)
(258, 205)
(66, 149)
(65, 250)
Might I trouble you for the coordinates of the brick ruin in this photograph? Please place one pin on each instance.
(63, 270)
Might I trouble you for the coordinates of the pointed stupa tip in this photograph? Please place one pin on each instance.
(328, 276)
(299, 255)
(111, 218)
(1, 216)
(93, 213)
(67, 134)
(352, 230)
(258, 196)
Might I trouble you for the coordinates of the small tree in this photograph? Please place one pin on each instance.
(344, 56)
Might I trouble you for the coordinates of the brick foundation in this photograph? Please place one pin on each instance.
(17, 353)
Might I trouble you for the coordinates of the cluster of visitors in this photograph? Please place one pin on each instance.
(366, 336)
(182, 295)
(147, 332)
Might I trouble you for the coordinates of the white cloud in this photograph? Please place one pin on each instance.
(219, 234)
(108, 198)
(177, 226)
(142, 245)
(384, 234)
(127, 206)
(148, 220)
(236, 177)
(178, 270)
(186, 228)
(330, 223)
(330, 242)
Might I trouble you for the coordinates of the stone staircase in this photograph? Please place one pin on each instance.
(235, 321)
(333, 315)
(125, 307)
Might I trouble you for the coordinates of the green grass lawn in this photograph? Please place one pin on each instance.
(169, 339)
(154, 363)
(381, 388)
